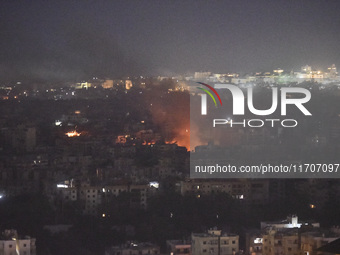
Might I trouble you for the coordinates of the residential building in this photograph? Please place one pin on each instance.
(132, 248)
(214, 242)
(288, 237)
(178, 247)
(290, 222)
(12, 244)
(312, 240)
(251, 191)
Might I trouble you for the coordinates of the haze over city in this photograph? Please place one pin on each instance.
(116, 116)
(70, 40)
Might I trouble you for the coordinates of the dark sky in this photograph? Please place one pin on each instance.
(67, 40)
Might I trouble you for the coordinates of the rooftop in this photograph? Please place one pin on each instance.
(332, 247)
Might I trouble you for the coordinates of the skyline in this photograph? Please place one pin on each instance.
(165, 127)
(75, 40)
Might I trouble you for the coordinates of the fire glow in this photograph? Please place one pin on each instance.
(72, 134)
(182, 138)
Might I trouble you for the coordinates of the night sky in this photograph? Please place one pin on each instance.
(69, 40)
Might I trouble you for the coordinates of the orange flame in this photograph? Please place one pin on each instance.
(72, 133)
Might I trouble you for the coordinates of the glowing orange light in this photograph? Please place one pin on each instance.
(72, 133)
(149, 143)
(182, 138)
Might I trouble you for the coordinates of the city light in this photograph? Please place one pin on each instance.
(62, 186)
(258, 240)
(58, 123)
(161, 166)
(154, 184)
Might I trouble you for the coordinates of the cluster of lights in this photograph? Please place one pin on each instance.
(149, 143)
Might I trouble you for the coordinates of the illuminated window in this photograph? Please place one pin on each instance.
(258, 240)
